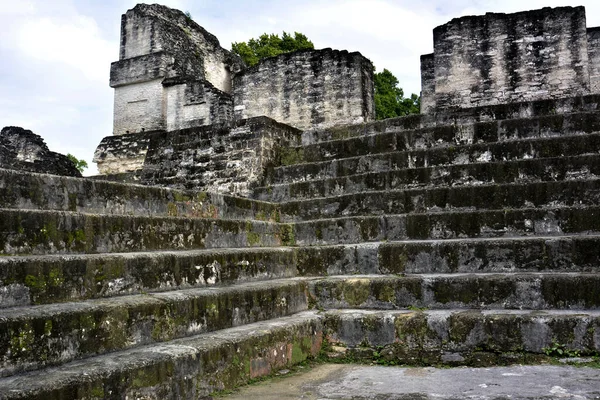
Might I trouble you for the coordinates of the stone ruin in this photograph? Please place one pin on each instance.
(173, 75)
(507, 58)
(467, 235)
(23, 150)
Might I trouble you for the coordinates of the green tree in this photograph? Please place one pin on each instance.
(79, 164)
(389, 98)
(271, 45)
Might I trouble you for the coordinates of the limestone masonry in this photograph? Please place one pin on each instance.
(502, 58)
(24, 150)
(254, 218)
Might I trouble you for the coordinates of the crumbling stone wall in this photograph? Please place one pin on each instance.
(307, 89)
(23, 150)
(229, 158)
(593, 36)
(501, 58)
(171, 73)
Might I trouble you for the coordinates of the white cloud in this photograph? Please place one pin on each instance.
(76, 44)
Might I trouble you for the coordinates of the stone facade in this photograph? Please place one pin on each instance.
(171, 73)
(308, 89)
(23, 150)
(502, 58)
(229, 158)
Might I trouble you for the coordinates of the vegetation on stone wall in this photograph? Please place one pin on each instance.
(389, 97)
(269, 45)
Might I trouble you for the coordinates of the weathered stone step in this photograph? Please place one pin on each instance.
(536, 291)
(449, 225)
(521, 254)
(446, 136)
(26, 280)
(187, 368)
(461, 337)
(561, 146)
(37, 336)
(25, 191)
(464, 116)
(46, 232)
(438, 199)
(498, 172)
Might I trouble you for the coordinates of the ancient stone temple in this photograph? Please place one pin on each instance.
(504, 58)
(287, 227)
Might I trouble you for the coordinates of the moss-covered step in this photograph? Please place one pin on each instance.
(499, 172)
(188, 368)
(536, 291)
(522, 149)
(46, 232)
(581, 193)
(26, 191)
(493, 132)
(465, 116)
(460, 337)
(520, 254)
(449, 225)
(34, 337)
(27, 280)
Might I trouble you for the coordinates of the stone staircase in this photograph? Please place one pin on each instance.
(470, 238)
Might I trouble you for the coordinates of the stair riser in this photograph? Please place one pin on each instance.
(524, 171)
(31, 340)
(482, 132)
(27, 232)
(498, 197)
(462, 291)
(477, 224)
(28, 191)
(569, 254)
(464, 116)
(51, 280)
(187, 369)
(476, 153)
(460, 338)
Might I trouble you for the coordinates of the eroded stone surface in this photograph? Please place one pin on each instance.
(373, 382)
(23, 150)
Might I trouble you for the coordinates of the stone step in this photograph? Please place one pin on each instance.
(464, 116)
(27, 280)
(37, 336)
(438, 199)
(521, 254)
(449, 225)
(445, 136)
(187, 368)
(535, 291)
(31, 191)
(48, 232)
(552, 147)
(461, 337)
(498, 172)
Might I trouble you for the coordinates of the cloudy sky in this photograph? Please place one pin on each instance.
(56, 54)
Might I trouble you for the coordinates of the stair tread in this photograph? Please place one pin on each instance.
(102, 366)
(353, 176)
(138, 300)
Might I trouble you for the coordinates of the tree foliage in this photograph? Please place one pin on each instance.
(270, 45)
(389, 98)
(79, 164)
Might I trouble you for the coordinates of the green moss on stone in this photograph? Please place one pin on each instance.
(356, 291)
